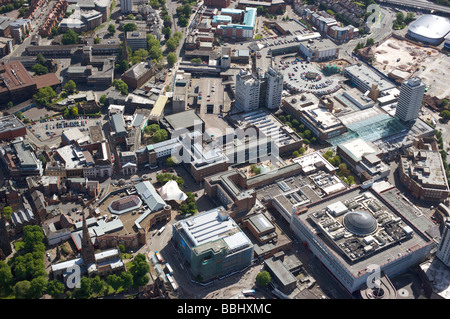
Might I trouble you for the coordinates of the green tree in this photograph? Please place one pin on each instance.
(155, 53)
(114, 281)
(167, 31)
(44, 96)
(38, 286)
(171, 161)
(6, 276)
(55, 288)
(74, 111)
(97, 40)
(121, 86)
(97, 285)
(70, 87)
(112, 29)
(126, 279)
(171, 59)
(139, 270)
(85, 287)
(21, 289)
(70, 37)
(263, 279)
(103, 99)
(39, 69)
(130, 27)
(40, 59)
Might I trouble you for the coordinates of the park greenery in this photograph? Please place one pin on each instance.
(121, 86)
(299, 128)
(157, 134)
(165, 177)
(184, 12)
(189, 206)
(70, 37)
(401, 21)
(342, 172)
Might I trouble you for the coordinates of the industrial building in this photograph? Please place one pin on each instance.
(212, 244)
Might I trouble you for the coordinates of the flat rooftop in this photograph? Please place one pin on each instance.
(381, 228)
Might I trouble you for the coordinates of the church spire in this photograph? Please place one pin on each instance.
(87, 248)
(125, 48)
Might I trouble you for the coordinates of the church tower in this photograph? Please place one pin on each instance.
(5, 245)
(125, 55)
(87, 248)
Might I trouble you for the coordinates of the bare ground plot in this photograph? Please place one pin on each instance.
(427, 63)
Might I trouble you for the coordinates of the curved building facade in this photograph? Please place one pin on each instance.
(429, 29)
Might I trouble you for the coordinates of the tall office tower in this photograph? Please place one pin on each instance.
(247, 91)
(126, 6)
(410, 99)
(274, 88)
(443, 252)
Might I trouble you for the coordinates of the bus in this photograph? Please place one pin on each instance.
(169, 277)
(248, 292)
(161, 230)
(158, 255)
(169, 269)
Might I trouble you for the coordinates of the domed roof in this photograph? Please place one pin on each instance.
(360, 223)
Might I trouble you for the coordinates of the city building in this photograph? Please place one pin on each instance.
(429, 29)
(183, 122)
(364, 78)
(104, 263)
(126, 6)
(363, 158)
(247, 91)
(423, 174)
(137, 40)
(357, 228)
(212, 244)
(443, 252)
(139, 74)
(16, 84)
(240, 30)
(20, 160)
(217, 3)
(11, 127)
(410, 99)
(319, 50)
(19, 29)
(274, 81)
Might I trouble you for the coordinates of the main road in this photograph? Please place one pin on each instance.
(417, 5)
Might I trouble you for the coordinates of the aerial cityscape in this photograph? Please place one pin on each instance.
(224, 150)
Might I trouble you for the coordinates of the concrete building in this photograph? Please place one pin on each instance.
(410, 99)
(429, 29)
(11, 128)
(422, 172)
(137, 40)
(364, 78)
(213, 244)
(364, 159)
(247, 91)
(319, 50)
(20, 160)
(139, 74)
(126, 6)
(274, 81)
(443, 252)
(358, 228)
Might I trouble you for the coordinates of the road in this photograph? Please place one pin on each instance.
(418, 5)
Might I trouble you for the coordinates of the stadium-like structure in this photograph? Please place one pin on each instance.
(429, 29)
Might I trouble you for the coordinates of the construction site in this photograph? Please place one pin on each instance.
(399, 59)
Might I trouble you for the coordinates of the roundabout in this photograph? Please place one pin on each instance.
(300, 76)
